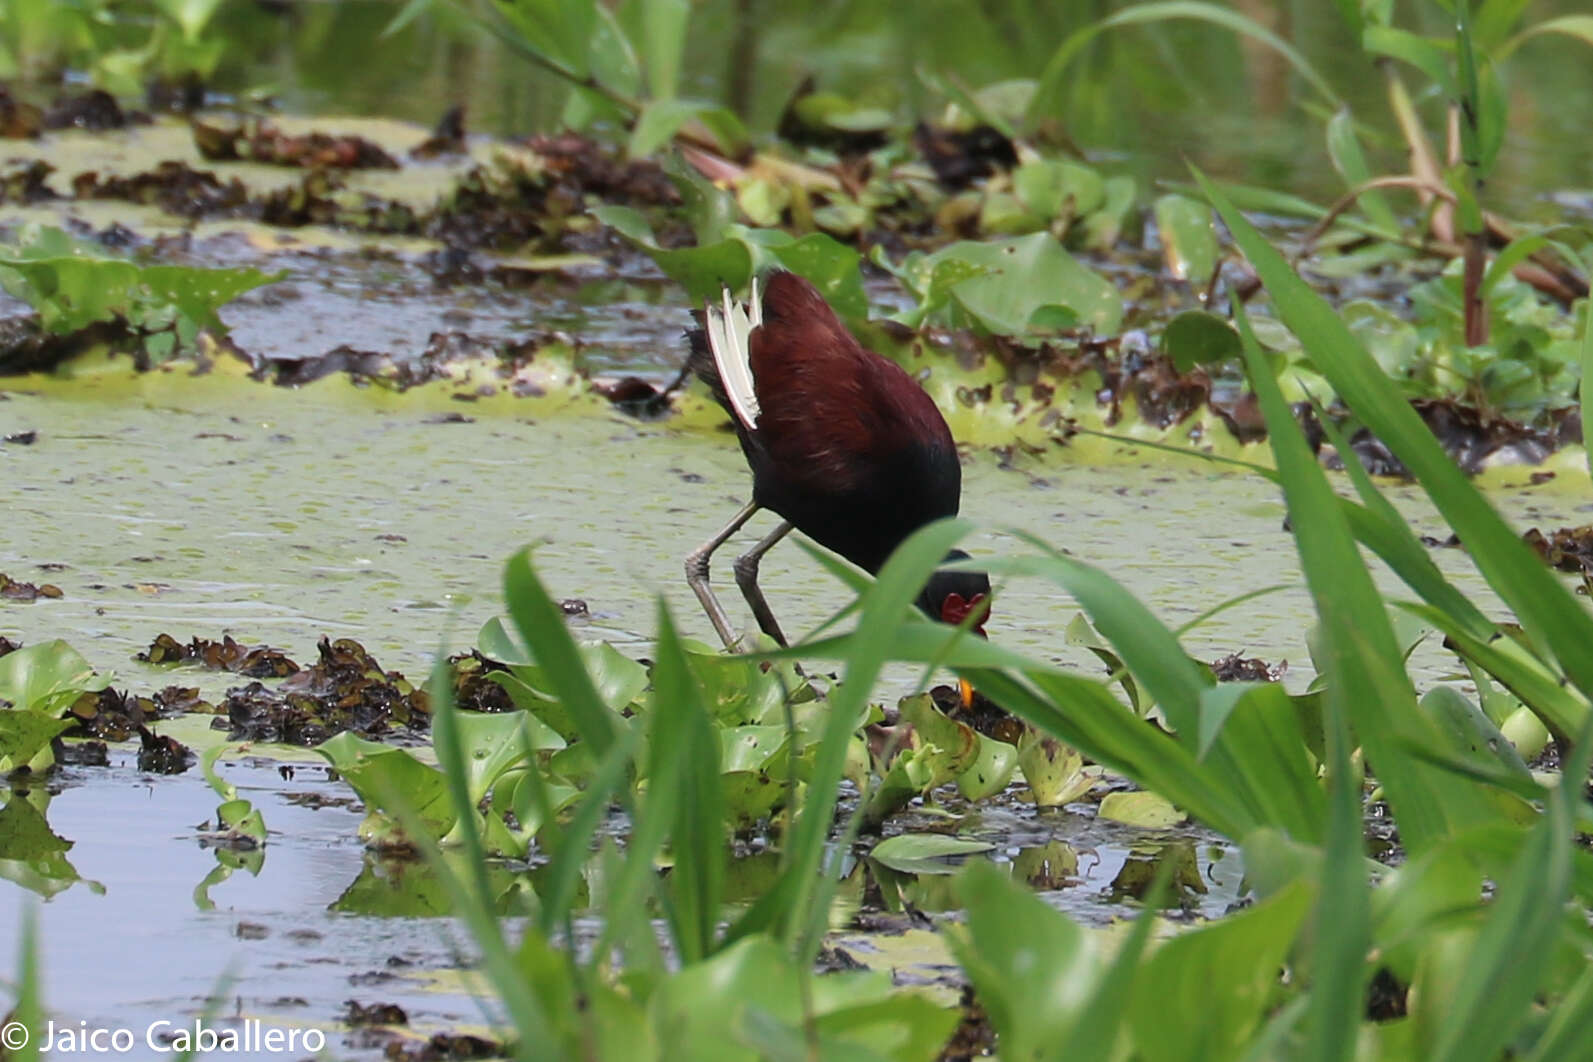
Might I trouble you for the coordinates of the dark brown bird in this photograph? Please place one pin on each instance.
(842, 444)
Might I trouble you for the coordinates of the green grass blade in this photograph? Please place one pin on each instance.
(683, 732)
(1080, 711)
(1499, 981)
(1339, 971)
(1563, 709)
(575, 838)
(1048, 93)
(1366, 675)
(1147, 647)
(785, 909)
(541, 626)
(473, 901)
(1552, 617)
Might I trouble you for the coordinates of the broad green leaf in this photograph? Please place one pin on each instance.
(658, 123)
(1204, 993)
(833, 268)
(1007, 285)
(1032, 966)
(46, 678)
(1140, 808)
(1054, 769)
(991, 770)
(925, 853)
(1189, 240)
(24, 734)
(1426, 55)
(1195, 338)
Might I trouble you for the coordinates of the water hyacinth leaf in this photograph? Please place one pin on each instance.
(1007, 283)
(1470, 732)
(763, 201)
(207, 767)
(491, 744)
(1101, 228)
(1032, 967)
(618, 679)
(380, 774)
(911, 772)
(497, 643)
(242, 818)
(926, 853)
(23, 735)
(1189, 240)
(833, 268)
(1141, 808)
(991, 770)
(751, 748)
(1054, 188)
(1053, 768)
(31, 854)
(1079, 711)
(1204, 993)
(736, 690)
(957, 743)
(1195, 338)
(701, 270)
(46, 678)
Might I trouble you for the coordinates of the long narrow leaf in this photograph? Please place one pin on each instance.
(1367, 680)
(541, 626)
(1551, 616)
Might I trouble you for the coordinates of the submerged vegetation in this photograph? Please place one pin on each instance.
(680, 837)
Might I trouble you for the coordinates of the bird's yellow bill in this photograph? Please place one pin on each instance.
(966, 688)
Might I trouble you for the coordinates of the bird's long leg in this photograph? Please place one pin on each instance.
(747, 578)
(697, 573)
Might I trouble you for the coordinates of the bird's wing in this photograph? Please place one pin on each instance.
(727, 330)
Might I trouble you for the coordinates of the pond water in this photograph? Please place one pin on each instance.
(210, 505)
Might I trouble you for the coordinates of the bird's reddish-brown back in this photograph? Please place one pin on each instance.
(824, 400)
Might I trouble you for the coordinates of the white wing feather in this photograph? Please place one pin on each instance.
(728, 330)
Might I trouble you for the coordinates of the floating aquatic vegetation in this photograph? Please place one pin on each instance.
(255, 661)
(258, 140)
(16, 590)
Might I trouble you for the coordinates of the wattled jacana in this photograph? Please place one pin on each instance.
(842, 444)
